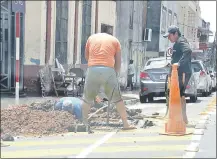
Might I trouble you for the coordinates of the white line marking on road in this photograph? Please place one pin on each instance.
(199, 131)
(206, 117)
(89, 149)
(212, 113)
(193, 147)
(189, 155)
(202, 122)
(196, 137)
(201, 126)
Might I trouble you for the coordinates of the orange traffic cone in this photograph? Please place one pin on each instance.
(175, 124)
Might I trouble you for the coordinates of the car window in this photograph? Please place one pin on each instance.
(196, 67)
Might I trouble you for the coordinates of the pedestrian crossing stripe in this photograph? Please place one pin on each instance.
(148, 139)
(125, 148)
(118, 139)
(74, 145)
(73, 151)
(41, 153)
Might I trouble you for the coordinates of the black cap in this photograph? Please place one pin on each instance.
(171, 29)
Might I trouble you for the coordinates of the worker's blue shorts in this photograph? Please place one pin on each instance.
(98, 77)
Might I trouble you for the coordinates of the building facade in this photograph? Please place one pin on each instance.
(55, 29)
(130, 25)
(160, 15)
(189, 22)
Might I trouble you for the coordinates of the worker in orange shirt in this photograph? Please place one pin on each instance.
(103, 53)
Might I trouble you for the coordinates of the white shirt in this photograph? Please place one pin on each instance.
(131, 70)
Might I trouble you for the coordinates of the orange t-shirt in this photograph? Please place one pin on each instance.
(101, 49)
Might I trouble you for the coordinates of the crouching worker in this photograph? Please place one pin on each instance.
(71, 105)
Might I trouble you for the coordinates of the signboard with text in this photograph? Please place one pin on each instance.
(18, 6)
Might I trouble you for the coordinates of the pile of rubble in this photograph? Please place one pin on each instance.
(35, 122)
(40, 118)
(35, 119)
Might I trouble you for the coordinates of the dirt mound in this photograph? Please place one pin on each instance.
(19, 121)
(47, 105)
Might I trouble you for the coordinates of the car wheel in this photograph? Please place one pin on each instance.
(209, 92)
(143, 99)
(193, 99)
(205, 94)
(150, 98)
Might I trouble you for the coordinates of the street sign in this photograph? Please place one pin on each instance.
(169, 52)
(18, 6)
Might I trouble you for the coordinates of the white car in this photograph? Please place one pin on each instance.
(213, 80)
(204, 83)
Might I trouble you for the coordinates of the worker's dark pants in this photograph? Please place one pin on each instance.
(130, 81)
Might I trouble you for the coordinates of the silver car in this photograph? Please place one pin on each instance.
(205, 83)
(153, 81)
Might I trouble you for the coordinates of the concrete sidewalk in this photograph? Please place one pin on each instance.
(129, 98)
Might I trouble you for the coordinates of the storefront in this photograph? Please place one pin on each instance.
(8, 45)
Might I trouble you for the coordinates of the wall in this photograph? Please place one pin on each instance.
(191, 7)
(170, 5)
(137, 49)
(124, 35)
(131, 36)
(35, 36)
(106, 14)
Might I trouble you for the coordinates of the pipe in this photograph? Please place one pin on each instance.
(76, 31)
(97, 111)
(96, 16)
(48, 32)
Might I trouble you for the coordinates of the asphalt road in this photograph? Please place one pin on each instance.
(139, 143)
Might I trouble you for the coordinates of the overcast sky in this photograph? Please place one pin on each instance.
(208, 13)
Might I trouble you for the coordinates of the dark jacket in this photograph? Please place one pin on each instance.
(182, 55)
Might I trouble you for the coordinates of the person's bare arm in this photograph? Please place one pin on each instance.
(118, 62)
(118, 58)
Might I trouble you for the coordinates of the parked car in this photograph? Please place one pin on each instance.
(213, 79)
(204, 86)
(153, 79)
(191, 88)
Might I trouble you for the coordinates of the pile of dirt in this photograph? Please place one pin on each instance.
(39, 118)
(22, 120)
(47, 105)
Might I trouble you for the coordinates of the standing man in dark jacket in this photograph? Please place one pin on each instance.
(182, 56)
